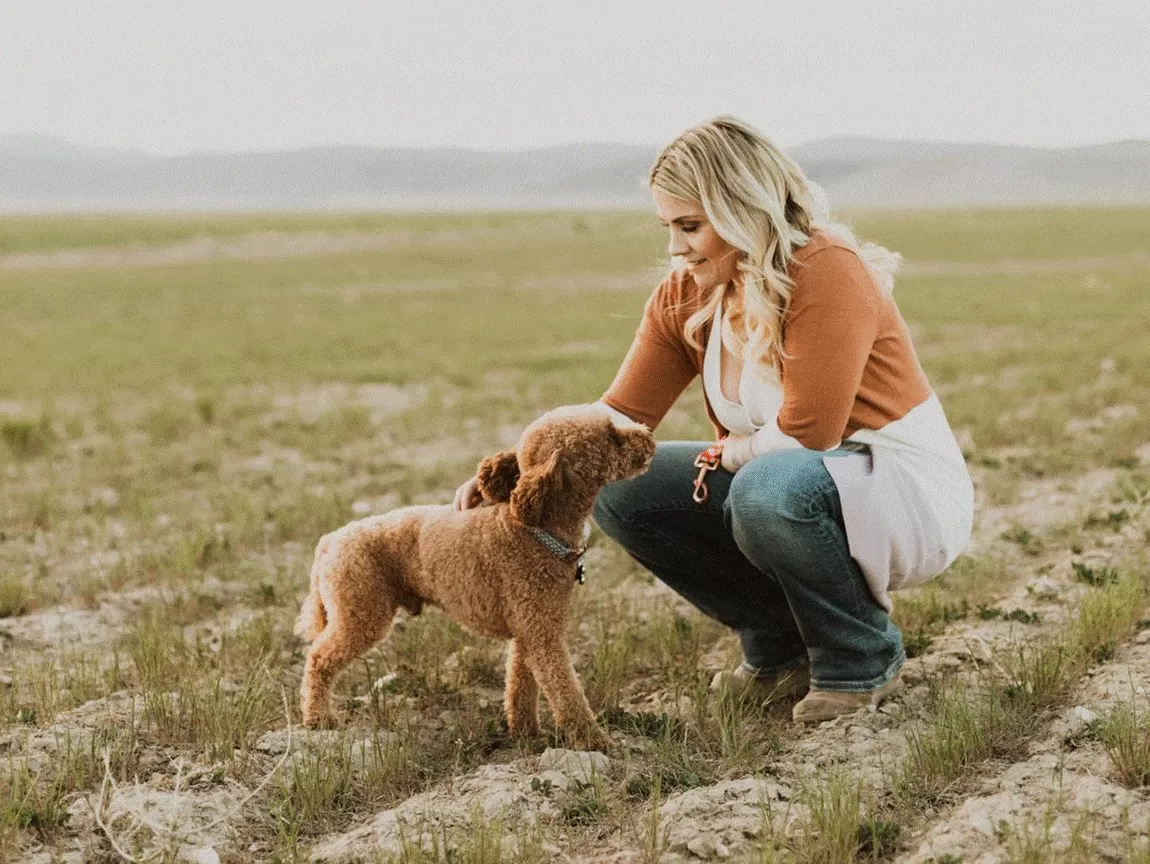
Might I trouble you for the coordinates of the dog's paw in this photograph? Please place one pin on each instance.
(590, 739)
(321, 721)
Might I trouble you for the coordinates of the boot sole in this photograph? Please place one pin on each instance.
(893, 688)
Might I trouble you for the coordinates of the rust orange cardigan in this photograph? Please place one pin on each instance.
(849, 363)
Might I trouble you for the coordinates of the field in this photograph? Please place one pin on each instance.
(188, 403)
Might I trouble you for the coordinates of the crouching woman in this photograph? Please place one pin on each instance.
(840, 477)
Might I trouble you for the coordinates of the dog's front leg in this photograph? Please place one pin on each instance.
(550, 661)
(521, 696)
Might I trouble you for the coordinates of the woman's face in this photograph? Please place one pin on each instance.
(710, 259)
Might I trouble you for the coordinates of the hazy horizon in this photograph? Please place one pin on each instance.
(335, 145)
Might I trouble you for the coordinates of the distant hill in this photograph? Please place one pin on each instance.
(874, 173)
(40, 173)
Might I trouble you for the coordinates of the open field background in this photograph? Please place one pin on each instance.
(187, 403)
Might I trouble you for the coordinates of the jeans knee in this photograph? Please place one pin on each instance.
(620, 505)
(777, 488)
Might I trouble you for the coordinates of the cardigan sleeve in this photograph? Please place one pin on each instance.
(658, 367)
(830, 328)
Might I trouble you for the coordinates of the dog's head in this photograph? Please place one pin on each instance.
(563, 459)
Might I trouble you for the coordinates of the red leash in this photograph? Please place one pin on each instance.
(707, 461)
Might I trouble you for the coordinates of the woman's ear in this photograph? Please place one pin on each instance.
(497, 476)
(538, 493)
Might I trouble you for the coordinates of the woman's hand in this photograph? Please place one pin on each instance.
(468, 495)
(736, 452)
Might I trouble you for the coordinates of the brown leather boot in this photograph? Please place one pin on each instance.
(790, 682)
(819, 705)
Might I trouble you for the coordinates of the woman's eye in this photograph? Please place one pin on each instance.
(689, 229)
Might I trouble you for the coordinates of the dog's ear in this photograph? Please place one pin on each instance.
(538, 492)
(497, 476)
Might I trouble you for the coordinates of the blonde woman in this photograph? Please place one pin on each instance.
(841, 477)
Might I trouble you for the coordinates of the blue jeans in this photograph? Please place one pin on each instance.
(766, 555)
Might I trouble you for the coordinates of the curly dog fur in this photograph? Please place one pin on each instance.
(481, 566)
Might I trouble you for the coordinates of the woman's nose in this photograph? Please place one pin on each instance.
(677, 245)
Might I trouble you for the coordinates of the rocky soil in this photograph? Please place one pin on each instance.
(563, 805)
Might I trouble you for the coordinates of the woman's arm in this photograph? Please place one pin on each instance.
(658, 367)
(648, 382)
(616, 415)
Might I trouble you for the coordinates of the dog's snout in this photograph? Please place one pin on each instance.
(639, 450)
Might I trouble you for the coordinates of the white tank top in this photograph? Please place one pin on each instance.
(760, 398)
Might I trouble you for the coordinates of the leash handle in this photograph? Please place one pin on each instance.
(707, 461)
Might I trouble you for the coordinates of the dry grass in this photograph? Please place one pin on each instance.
(175, 438)
(964, 726)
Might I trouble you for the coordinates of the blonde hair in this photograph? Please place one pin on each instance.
(758, 200)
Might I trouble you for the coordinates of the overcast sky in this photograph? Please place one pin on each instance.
(179, 76)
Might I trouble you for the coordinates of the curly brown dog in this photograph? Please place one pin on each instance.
(497, 569)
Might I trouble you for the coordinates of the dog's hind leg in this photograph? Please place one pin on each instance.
(521, 697)
(354, 625)
(550, 662)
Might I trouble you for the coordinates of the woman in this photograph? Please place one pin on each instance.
(841, 477)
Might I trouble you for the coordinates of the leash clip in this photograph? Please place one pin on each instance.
(707, 461)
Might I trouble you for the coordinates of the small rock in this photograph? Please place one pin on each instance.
(203, 855)
(717, 821)
(1076, 720)
(579, 765)
(553, 779)
(276, 742)
(1143, 637)
(1044, 588)
(702, 847)
(1084, 714)
(362, 752)
(5, 680)
(1142, 453)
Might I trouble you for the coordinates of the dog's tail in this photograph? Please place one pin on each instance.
(313, 616)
